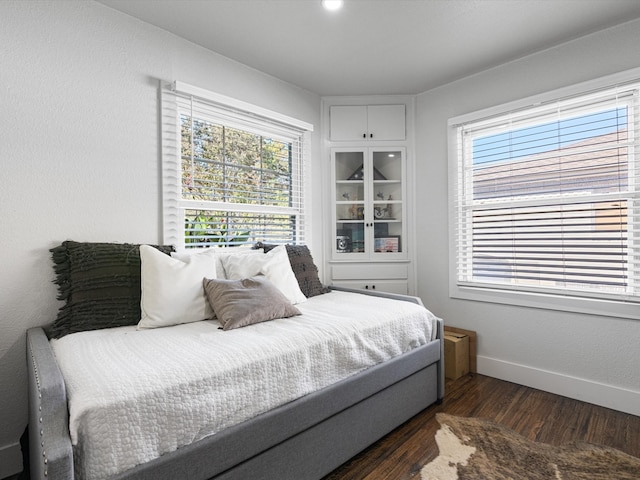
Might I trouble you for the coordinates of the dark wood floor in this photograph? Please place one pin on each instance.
(539, 416)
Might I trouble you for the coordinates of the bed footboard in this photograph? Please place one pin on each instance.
(50, 450)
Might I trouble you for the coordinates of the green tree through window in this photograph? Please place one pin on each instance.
(231, 166)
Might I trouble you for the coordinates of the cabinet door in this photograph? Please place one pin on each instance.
(386, 122)
(348, 122)
(372, 122)
(388, 204)
(350, 202)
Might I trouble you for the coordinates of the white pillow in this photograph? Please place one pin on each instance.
(187, 255)
(172, 291)
(274, 265)
(223, 253)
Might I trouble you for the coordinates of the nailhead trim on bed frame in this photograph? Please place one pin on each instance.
(36, 373)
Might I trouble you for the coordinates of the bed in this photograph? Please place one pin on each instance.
(345, 373)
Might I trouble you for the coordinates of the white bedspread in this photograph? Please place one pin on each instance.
(135, 395)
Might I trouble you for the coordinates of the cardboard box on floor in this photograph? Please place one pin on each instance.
(459, 352)
(456, 355)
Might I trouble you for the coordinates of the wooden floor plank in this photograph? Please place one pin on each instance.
(537, 415)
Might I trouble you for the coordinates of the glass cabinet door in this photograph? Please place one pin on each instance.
(349, 171)
(368, 202)
(387, 195)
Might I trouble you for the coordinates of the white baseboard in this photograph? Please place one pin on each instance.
(10, 460)
(608, 396)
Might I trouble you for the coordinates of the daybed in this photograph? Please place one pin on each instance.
(302, 438)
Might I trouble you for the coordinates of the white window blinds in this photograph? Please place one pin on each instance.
(547, 198)
(231, 176)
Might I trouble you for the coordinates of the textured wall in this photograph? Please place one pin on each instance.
(79, 152)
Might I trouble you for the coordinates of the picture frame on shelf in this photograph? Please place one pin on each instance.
(343, 240)
(388, 244)
(357, 240)
(381, 229)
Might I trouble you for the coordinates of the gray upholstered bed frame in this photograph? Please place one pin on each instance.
(304, 439)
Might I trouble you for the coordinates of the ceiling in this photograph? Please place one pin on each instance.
(378, 46)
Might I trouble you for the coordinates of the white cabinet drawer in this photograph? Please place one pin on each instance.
(390, 271)
(389, 286)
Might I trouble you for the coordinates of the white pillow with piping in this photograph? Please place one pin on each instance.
(224, 253)
(171, 289)
(274, 265)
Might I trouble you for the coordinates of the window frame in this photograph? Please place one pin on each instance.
(563, 301)
(235, 114)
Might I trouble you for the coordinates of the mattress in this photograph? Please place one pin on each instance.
(135, 395)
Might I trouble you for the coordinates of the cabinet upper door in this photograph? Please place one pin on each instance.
(348, 122)
(367, 122)
(386, 122)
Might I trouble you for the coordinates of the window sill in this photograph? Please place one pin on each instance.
(564, 303)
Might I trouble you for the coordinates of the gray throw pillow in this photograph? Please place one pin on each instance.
(238, 303)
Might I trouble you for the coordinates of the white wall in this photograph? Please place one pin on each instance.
(588, 357)
(80, 157)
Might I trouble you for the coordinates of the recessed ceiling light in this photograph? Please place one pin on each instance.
(332, 5)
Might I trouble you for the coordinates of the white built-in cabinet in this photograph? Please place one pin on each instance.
(369, 158)
(367, 122)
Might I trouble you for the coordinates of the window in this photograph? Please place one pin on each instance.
(233, 174)
(547, 203)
